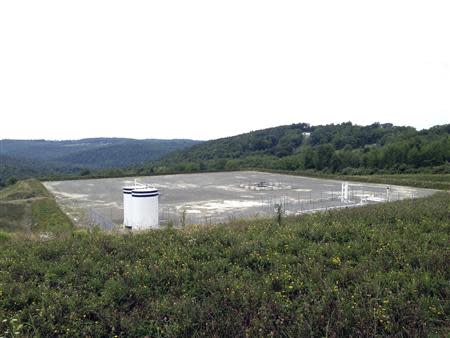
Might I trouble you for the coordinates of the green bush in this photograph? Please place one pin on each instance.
(5, 236)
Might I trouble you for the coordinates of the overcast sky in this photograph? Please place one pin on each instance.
(208, 69)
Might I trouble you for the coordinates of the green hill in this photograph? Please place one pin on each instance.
(37, 158)
(343, 148)
(126, 154)
(57, 151)
(372, 271)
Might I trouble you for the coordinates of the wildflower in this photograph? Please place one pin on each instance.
(336, 260)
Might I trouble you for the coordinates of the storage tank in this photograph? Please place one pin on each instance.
(127, 204)
(144, 208)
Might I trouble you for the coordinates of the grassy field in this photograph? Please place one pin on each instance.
(375, 270)
(28, 208)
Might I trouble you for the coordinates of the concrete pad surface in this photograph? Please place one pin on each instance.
(217, 197)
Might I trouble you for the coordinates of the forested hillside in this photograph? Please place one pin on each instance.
(132, 152)
(31, 158)
(342, 148)
(51, 150)
(12, 169)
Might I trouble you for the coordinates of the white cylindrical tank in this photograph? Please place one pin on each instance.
(144, 208)
(127, 204)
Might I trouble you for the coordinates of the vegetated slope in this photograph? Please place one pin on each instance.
(74, 150)
(129, 153)
(372, 271)
(28, 208)
(331, 148)
(45, 150)
(27, 158)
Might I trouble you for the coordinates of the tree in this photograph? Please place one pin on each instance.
(232, 165)
(322, 156)
(85, 172)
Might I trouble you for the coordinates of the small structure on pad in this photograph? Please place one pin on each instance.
(263, 185)
(344, 192)
(140, 207)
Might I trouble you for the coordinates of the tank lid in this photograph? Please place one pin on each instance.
(128, 189)
(132, 187)
(145, 190)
